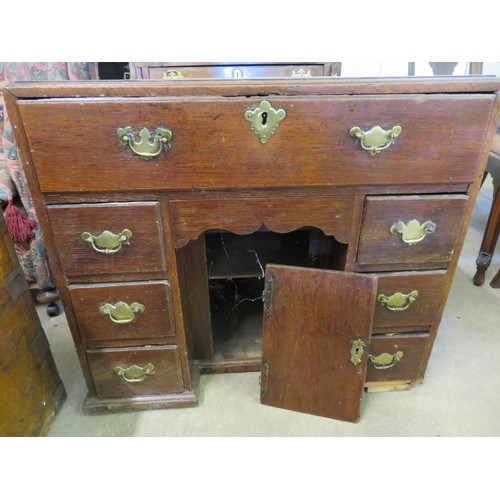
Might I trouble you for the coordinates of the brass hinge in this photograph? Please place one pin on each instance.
(267, 296)
(263, 380)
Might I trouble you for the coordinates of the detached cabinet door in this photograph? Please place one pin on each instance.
(317, 327)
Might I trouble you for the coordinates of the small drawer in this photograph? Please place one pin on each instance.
(405, 232)
(123, 312)
(135, 245)
(396, 357)
(408, 299)
(136, 371)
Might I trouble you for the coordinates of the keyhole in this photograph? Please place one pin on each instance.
(264, 118)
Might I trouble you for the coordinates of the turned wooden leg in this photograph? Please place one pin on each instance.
(47, 296)
(489, 239)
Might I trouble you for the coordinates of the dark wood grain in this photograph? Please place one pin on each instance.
(331, 215)
(377, 246)
(154, 325)
(308, 336)
(166, 378)
(426, 308)
(143, 253)
(214, 148)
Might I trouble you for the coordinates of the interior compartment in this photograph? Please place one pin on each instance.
(236, 268)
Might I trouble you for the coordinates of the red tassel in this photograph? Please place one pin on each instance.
(20, 226)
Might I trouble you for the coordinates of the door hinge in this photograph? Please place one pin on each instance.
(263, 380)
(267, 296)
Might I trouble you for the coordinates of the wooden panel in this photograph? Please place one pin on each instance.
(165, 379)
(244, 216)
(423, 311)
(408, 368)
(378, 246)
(75, 147)
(143, 253)
(153, 325)
(31, 391)
(307, 340)
(193, 284)
(236, 71)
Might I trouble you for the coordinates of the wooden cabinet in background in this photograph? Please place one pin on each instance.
(168, 71)
(305, 228)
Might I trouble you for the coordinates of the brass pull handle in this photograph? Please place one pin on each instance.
(107, 242)
(413, 232)
(121, 312)
(134, 373)
(357, 351)
(398, 301)
(264, 120)
(172, 74)
(376, 139)
(150, 144)
(385, 360)
(301, 73)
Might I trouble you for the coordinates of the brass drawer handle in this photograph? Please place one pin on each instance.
(398, 301)
(413, 232)
(376, 139)
(150, 144)
(301, 73)
(264, 120)
(121, 312)
(172, 74)
(385, 360)
(134, 373)
(107, 242)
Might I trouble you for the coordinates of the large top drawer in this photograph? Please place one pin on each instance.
(75, 145)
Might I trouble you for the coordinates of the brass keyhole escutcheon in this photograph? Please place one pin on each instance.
(264, 120)
(357, 351)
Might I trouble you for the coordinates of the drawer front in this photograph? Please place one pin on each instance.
(75, 144)
(123, 312)
(388, 240)
(136, 371)
(387, 367)
(236, 71)
(140, 250)
(408, 299)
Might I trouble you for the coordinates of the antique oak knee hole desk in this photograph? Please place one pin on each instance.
(305, 228)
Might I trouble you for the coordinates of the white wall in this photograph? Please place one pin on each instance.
(362, 69)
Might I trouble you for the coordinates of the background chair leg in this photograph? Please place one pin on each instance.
(489, 240)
